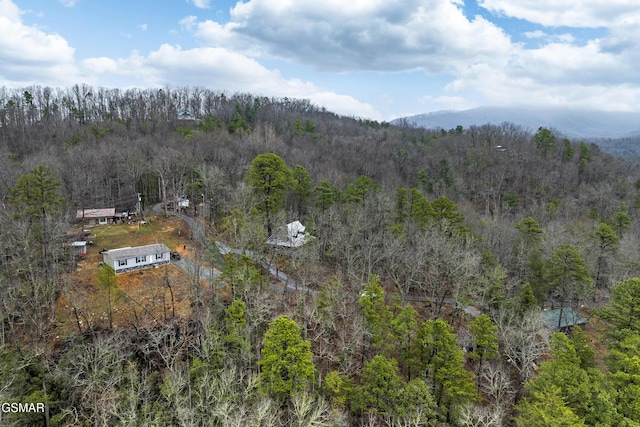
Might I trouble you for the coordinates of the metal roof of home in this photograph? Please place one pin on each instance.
(126, 253)
(570, 317)
(95, 213)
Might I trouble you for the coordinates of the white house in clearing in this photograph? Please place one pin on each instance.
(293, 236)
(129, 259)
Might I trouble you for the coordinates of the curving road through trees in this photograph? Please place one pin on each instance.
(288, 284)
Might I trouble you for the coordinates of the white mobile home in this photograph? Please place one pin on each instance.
(129, 259)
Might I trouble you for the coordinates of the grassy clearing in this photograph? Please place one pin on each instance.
(142, 297)
(170, 231)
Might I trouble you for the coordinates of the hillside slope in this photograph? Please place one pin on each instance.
(571, 123)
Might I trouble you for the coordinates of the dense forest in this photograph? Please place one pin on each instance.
(419, 299)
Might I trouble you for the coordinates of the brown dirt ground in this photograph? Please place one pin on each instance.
(142, 297)
(596, 330)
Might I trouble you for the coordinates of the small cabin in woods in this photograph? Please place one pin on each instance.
(96, 216)
(563, 319)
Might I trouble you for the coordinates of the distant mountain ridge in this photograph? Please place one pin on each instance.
(570, 123)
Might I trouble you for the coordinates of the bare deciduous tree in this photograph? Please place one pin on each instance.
(523, 340)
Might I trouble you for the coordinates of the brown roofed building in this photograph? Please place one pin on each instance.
(99, 216)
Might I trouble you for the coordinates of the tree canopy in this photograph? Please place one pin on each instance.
(269, 178)
(417, 303)
(36, 194)
(287, 365)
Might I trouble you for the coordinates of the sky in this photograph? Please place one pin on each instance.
(376, 59)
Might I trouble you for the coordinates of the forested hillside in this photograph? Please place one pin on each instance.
(629, 147)
(574, 123)
(417, 302)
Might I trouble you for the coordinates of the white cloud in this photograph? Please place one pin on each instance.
(220, 68)
(143, 27)
(31, 56)
(535, 34)
(538, 34)
(224, 35)
(480, 60)
(215, 33)
(405, 36)
(100, 65)
(556, 75)
(553, 13)
(447, 102)
(9, 10)
(340, 104)
(564, 38)
(200, 4)
(599, 74)
(561, 63)
(68, 3)
(188, 23)
(364, 35)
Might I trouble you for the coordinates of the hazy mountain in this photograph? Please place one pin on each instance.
(570, 123)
